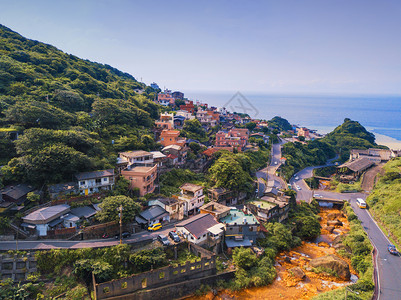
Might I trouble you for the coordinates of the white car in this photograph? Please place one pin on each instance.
(318, 196)
(275, 163)
(297, 178)
(298, 188)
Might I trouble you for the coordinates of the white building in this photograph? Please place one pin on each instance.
(199, 228)
(192, 195)
(94, 182)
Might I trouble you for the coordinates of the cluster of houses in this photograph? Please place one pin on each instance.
(142, 169)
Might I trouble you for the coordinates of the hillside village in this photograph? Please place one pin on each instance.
(59, 211)
(117, 188)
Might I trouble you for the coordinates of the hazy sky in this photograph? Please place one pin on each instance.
(321, 46)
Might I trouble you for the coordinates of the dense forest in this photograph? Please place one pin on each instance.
(74, 114)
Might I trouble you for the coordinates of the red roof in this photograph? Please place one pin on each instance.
(172, 156)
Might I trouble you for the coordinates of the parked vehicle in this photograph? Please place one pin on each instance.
(298, 188)
(174, 236)
(155, 227)
(296, 178)
(361, 203)
(393, 250)
(124, 235)
(105, 236)
(163, 239)
(318, 196)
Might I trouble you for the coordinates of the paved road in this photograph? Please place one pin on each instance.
(53, 244)
(305, 193)
(389, 266)
(269, 173)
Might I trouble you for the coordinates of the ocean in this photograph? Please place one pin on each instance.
(380, 115)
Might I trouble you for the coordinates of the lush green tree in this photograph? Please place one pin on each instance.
(68, 101)
(228, 173)
(52, 164)
(145, 260)
(121, 186)
(110, 209)
(38, 114)
(114, 111)
(193, 129)
(280, 124)
(33, 197)
(280, 237)
(84, 268)
(195, 147)
(35, 139)
(252, 271)
(251, 126)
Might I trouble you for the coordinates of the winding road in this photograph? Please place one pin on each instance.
(388, 266)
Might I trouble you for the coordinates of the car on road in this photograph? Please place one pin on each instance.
(296, 178)
(393, 250)
(298, 187)
(275, 163)
(163, 239)
(155, 227)
(174, 236)
(318, 196)
(124, 235)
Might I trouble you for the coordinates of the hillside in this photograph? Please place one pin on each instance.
(63, 102)
(350, 135)
(385, 200)
(347, 136)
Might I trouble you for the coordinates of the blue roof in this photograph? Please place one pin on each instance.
(238, 217)
(233, 243)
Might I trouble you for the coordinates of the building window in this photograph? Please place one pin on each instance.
(105, 179)
(82, 182)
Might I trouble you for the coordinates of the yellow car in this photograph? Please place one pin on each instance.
(155, 227)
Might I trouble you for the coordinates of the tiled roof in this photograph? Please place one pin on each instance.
(17, 191)
(47, 214)
(153, 212)
(358, 165)
(95, 174)
(199, 224)
(85, 211)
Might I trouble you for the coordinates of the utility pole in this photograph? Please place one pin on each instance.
(121, 223)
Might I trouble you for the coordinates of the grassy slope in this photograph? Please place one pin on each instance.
(385, 200)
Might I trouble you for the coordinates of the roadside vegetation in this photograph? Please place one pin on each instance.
(385, 200)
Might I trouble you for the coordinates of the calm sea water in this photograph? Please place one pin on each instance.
(379, 114)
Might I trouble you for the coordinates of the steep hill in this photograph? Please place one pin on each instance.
(350, 135)
(64, 102)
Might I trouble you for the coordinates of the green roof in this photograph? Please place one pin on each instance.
(236, 217)
(263, 204)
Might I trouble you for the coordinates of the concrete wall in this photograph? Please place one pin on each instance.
(17, 267)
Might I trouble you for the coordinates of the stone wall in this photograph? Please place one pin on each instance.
(177, 290)
(17, 267)
(203, 267)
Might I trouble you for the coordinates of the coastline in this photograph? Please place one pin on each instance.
(381, 139)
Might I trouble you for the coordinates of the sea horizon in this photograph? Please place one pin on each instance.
(379, 114)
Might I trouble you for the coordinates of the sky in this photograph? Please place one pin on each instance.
(287, 47)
